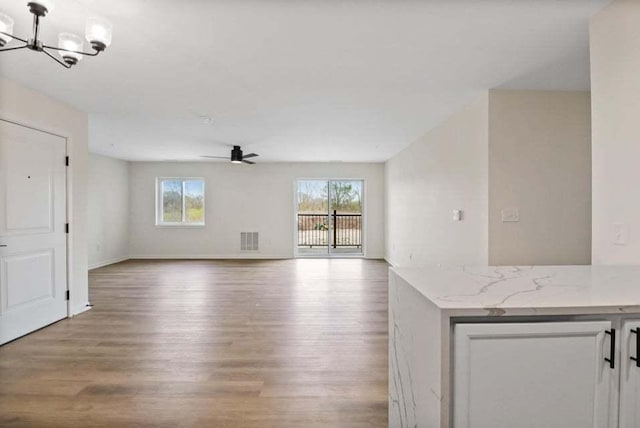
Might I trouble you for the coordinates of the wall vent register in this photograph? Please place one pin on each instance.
(249, 241)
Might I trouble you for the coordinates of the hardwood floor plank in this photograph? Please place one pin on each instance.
(199, 343)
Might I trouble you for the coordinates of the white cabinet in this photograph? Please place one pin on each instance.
(511, 347)
(630, 375)
(536, 375)
(547, 374)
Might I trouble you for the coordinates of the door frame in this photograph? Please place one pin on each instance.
(363, 221)
(68, 195)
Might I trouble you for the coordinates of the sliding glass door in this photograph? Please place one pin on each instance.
(329, 217)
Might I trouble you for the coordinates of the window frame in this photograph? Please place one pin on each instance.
(160, 203)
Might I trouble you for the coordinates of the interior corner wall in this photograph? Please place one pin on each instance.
(447, 169)
(540, 164)
(108, 237)
(615, 87)
(28, 107)
(242, 198)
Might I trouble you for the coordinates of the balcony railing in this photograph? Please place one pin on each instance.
(335, 230)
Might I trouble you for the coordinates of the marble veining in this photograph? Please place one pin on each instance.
(534, 287)
(402, 402)
(411, 331)
(424, 304)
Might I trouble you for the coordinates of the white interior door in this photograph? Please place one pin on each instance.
(32, 230)
(533, 375)
(630, 375)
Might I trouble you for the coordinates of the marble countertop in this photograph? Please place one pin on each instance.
(470, 290)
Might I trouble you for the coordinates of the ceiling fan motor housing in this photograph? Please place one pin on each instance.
(236, 154)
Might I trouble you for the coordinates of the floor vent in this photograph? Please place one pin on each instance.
(249, 241)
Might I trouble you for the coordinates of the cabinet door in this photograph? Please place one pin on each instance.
(630, 375)
(532, 375)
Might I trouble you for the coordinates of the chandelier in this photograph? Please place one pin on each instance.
(70, 47)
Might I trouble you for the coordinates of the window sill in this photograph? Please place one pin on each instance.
(180, 226)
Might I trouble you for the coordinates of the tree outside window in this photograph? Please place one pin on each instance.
(180, 201)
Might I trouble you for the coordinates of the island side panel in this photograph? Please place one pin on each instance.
(415, 357)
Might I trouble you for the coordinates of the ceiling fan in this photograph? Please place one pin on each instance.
(236, 156)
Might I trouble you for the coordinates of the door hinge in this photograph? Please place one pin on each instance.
(66, 228)
(66, 161)
(67, 294)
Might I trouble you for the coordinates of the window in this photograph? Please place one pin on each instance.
(180, 202)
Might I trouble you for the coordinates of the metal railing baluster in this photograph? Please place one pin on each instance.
(313, 230)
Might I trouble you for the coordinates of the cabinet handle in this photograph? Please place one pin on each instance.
(636, 331)
(612, 351)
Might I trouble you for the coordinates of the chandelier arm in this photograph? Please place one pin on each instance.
(95, 53)
(65, 65)
(13, 48)
(13, 37)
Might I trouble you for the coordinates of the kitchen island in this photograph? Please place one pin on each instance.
(542, 346)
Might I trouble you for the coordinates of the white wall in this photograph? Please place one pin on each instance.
(540, 163)
(108, 237)
(615, 86)
(25, 106)
(509, 149)
(242, 198)
(445, 170)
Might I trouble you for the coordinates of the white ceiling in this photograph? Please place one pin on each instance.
(313, 80)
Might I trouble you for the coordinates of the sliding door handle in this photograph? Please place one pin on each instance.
(612, 350)
(636, 331)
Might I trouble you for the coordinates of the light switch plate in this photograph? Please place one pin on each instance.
(620, 234)
(510, 215)
(457, 215)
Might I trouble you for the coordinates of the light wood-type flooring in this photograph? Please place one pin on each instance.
(202, 343)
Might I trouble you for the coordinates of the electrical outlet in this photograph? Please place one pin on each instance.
(457, 215)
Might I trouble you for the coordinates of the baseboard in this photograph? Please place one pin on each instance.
(374, 257)
(388, 260)
(80, 309)
(108, 262)
(248, 255)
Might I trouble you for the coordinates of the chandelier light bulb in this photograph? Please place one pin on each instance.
(70, 42)
(70, 47)
(6, 26)
(98, 33)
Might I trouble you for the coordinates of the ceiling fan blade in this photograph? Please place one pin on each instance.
(250, 155)
(215, 157)
(249, 162)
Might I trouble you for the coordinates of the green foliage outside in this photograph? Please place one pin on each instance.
(172, 202)
(195, 209)
(313, 196)
(344, 198)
